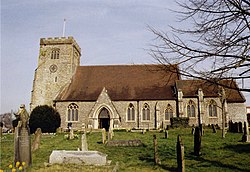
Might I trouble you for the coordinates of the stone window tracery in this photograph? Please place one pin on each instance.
(168, 112)
(191, 109)
(146, 112)
(72, 112)
(212, 109)
(131, 112)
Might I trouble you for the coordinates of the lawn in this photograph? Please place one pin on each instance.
(217, 154)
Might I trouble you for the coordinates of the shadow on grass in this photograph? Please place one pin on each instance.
(239, 148)
(208, 163)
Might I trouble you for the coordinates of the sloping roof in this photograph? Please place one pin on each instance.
(190, 89)
(122, 82)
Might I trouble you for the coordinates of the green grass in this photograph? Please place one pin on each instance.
(217, 154)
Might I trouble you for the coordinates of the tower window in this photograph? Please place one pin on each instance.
(55, 54)
(212, 109)
(168, 112)
(146, 112)
(191, 109)
(72, 112)
(131, 112)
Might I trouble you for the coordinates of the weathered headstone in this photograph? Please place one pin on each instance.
(37, 139)
(71, 134)
(84, 142)
(180, 155)
(192, 130)
(240, 127)
(166, 134)
(197, 141)
(237, 127)
(22, 149)
(110, 134)
(214, 129)
(156, 157)
(103, 135)
(1, 129)
(201, 129)
(245, 137)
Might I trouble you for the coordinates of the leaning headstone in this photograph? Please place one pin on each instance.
(214, 129)
(180, 155)
(22, 144)
(156, 157)
(37, 139)
(110, 135)
(1, 129)
(84, 142)
(197, 141)
(245, 137)
(103, 135)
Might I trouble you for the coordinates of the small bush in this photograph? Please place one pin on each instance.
(46, 118)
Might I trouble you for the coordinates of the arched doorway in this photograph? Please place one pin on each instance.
(104, 119)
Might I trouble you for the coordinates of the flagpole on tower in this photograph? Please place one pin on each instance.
(64, 23)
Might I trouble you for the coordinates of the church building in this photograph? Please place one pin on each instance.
(125, 96)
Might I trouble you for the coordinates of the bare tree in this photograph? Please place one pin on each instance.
(216, 47)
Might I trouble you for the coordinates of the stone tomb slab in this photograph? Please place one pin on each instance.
(78, 157)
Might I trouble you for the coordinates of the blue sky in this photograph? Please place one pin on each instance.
(109, 32)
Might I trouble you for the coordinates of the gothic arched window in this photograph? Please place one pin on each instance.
(191, 109)
(55, 54)
(73, 112)
(131, 112)
(212, 108)
(168, 112)
(146, 112)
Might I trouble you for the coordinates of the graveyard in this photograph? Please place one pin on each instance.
(124, 154)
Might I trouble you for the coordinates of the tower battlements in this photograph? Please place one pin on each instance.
(60, 40)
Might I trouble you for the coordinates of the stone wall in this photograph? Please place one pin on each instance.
(52, 75)
(86, 110)
(237, 112)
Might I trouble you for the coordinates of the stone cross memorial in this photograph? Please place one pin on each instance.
(22, 149)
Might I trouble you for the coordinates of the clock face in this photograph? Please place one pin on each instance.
(53, 68)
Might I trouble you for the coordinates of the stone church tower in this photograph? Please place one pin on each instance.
(57, 62)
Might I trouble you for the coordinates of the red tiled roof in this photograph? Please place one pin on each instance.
(122, 82)
(190, 89)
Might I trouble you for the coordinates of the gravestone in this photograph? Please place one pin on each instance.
(197, 141)
(1, 129)
(166, 134)
(180, 155)
(156, 156)
(245, 137)
(110, 134)
(78, 157)
(71, 134)
(192, 130)
(240, 127)
(22, 149)
(103, 135)
(84, 142)
(37, 139)
(214, 129)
